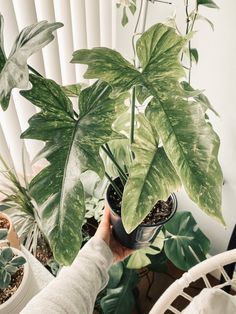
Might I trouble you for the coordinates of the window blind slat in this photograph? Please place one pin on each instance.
(12, 131)
(25, 110)
(78, 20)
(105, 15)
(65, 40)
(45, 11)
(92, 23)
(113, 26)
(4, 152)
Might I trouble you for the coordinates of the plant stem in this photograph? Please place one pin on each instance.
(34, 71)
(132, 117)
(122, 175)
(137, 65)
(115, 187)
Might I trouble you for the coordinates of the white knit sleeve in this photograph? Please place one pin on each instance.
(75, 289)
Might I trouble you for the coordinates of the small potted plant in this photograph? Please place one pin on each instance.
(14, 278)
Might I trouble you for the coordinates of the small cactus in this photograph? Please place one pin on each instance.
(9, 263)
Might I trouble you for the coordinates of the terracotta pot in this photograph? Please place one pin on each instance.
(143, 235)
(22, 295)
(12, 236)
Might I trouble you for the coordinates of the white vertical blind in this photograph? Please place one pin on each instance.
(12, 130)
(78, 19)
(105, 20)
(113, 23)
(65, 40)
(92, 23)
(5, 153)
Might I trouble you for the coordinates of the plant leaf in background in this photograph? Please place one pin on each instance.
(158, 262)
(207, 3)
(3, 234)
(196, 16)
(119, 299)
(14, 69)
(5, 101)
(151, 176)
(115, 274)
(189, 141)
(140, 259)
(200, 98)
(72, 147)
(185, 238)
(73, 90)
(194, 54)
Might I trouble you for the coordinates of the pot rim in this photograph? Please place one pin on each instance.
(24, 283)
(174, 209)
(4, 215)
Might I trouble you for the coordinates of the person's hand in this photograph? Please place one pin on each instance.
(104, 232)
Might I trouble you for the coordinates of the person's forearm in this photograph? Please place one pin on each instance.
(76, 287)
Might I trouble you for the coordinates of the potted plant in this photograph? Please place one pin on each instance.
(14, 279)
(170, 144)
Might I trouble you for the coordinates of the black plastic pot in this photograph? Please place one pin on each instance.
(143, 235)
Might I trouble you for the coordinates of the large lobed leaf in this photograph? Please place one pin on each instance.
(151, 176)
(192, 146)
(186, 244)
(189, 141)
(14, 69)
(72, 147)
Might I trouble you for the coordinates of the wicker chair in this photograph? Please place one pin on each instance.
(215, 264)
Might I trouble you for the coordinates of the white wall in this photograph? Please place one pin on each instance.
(215, 73)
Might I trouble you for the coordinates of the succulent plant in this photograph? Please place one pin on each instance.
(9, 263)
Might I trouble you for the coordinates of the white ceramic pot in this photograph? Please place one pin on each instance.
(23, 294)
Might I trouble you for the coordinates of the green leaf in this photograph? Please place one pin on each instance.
(73, 90)
(15, 71)
(132, 8)
(109, 66)
(207, 3)
(70, 144)
(5, 279)
(18, 261)
(11, 269)
(7, 254)
(203, 18)
(189, 141)
(151, 176)
(185, 238)
(140, 259)
(158, 262)
(5, 101)
(194, 54)
(125, 19)
(120, 300)
(115, 274)
(3, 234)
(200, 98)
(192, 146)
